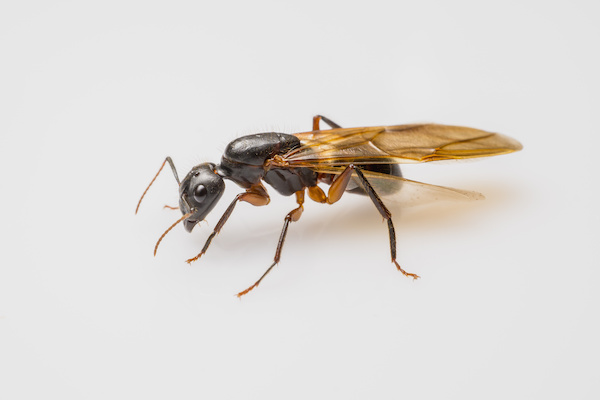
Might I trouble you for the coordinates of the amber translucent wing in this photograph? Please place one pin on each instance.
(405, 191)
(396, 144)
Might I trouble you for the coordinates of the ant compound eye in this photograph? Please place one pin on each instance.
(200, 193)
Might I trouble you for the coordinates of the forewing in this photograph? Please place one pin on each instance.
(396, 144)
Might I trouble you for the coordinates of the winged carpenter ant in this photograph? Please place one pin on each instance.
(355, 160)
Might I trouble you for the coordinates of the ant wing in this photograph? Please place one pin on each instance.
(395, 145)
(412, 193)
(404, 191)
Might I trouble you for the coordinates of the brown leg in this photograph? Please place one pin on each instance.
(292, 216)
(385, 213)
(317, 194)
(318, 118)
(336, 190)
(256, 195)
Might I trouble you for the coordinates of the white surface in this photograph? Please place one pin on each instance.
(93, 97)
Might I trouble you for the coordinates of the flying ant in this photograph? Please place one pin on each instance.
(356, 160)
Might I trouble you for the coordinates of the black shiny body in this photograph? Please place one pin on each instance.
(244, 159)
(252, 159)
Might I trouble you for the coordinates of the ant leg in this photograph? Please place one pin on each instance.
(385, 213)
(292, 216)
(318, 118)
(257, 196)
(336, 190)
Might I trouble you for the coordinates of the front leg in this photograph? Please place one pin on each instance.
(257, 196)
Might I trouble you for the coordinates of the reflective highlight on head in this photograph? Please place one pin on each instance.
(199, 192)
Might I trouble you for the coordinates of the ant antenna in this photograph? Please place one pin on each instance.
(169, 229)
(168, 159)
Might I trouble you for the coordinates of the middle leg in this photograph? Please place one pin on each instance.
(292, 216)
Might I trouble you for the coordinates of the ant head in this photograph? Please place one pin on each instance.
(199, 192)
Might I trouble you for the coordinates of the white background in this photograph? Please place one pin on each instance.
(94, 95)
